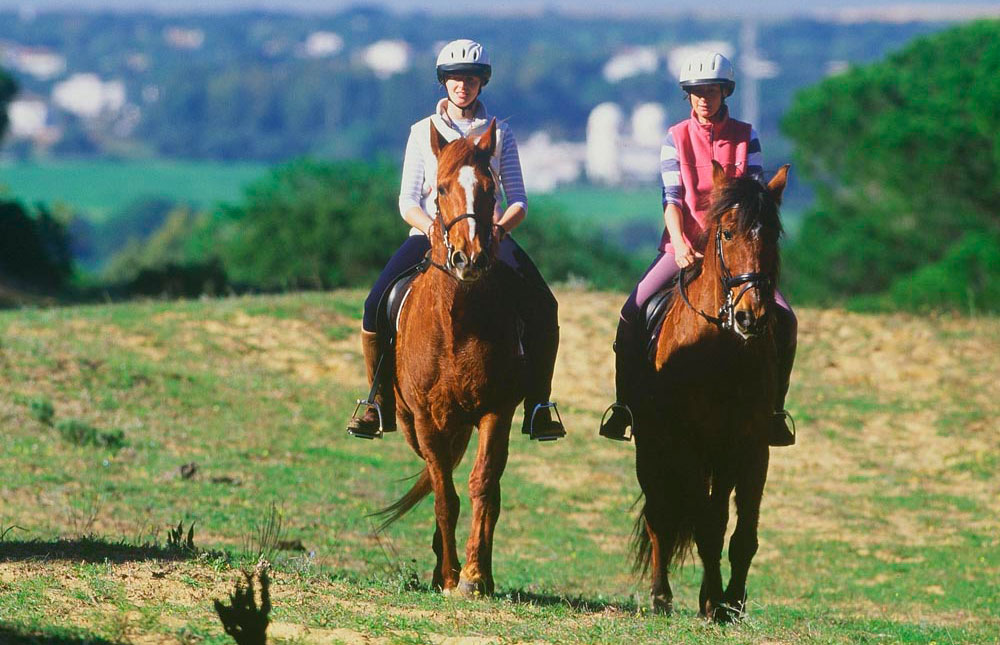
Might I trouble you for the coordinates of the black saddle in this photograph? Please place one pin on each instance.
(392, 302)
(653, 314)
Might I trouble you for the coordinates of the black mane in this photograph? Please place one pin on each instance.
(756, 205)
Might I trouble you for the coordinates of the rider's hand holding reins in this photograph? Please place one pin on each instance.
(684, 255)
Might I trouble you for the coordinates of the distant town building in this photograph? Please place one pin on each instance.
(617, 156)
(28, 116)
(88, 97)
(322, 44)
(631, 62)
(545, 163)
(182, 38)
(39, 62)
(604, 133)
(387, 57)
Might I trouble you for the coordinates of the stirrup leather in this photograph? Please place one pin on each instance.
(369, 404)
(631, 422)
(542, 437)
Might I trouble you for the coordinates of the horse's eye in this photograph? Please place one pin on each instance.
(441, 190)
(727, 234)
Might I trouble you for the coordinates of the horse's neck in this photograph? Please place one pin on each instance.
(685, 324)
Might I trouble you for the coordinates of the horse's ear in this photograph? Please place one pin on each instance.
(777, 184)
(437, 141)
(487, 141)
(719, 178)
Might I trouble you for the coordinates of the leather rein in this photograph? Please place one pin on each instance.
(750, 280)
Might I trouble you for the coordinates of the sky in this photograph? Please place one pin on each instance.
(730, 7)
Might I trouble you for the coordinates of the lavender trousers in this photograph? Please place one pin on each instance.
(663, 269)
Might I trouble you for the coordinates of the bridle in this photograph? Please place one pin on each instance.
(751, 280)
(449, 266)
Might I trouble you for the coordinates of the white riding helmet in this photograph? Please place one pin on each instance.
(464, 56)
(708, 68)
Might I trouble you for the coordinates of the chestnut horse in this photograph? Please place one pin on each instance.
(706, 414)
(458, 363)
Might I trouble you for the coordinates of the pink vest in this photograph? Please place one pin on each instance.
(726, 141)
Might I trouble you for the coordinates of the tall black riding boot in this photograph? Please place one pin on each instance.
(369, 425)
(785, 341)
(626, 365)
(541, 343)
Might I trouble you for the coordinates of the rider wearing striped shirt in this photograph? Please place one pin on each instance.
(686, 157)
(463, 68)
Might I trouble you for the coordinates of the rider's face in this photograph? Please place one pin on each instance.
(705, 100)
(463, 90)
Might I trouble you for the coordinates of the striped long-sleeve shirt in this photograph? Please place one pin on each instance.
(419, 180)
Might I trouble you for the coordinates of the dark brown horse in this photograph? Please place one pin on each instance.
(705, 417)
(457, 362)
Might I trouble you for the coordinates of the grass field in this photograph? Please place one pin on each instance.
(102, 187)
(881, 526)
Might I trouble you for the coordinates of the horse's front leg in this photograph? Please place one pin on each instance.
(435, 447)
(743, 544)
(484, 491)
(709, 535)
(661, 517)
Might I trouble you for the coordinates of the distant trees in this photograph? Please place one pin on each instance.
(905, 157)
(331, 224)
(8, 89)
(34, 249)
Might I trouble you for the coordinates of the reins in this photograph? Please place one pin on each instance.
(751, 280)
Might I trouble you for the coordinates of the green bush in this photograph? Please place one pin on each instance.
(34, 248)
(905, 155)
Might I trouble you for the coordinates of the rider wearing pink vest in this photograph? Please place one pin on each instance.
(687, 154)
(686, 158)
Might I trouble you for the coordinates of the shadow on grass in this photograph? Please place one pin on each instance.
(11, 636)
(577, 603)
(87, 550)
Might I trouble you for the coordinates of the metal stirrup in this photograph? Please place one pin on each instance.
(551, 437)
(631, 422)
(369, 404)
(788, 415)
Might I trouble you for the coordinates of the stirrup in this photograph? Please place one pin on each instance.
(631, 422)
(546, 437)
(363, 434)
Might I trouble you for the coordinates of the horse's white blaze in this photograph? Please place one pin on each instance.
(467, 179)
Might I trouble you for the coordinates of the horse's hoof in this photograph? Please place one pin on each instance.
(727, 614)
(470, 589)
(662, 604)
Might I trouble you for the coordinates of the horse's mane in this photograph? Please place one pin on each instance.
(756, 206)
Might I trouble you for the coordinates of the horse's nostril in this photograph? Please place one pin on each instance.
(744, 319)
(459, 260)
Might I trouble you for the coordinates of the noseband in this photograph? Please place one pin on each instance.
(449, 266)
(750, 280)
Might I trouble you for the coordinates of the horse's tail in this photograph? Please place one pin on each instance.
(642, 545)
(418, 491)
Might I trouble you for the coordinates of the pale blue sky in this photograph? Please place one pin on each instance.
(741, 7)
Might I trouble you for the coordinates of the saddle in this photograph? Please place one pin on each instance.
(392, 302)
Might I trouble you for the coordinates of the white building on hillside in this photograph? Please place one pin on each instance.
(631, 62)
(39, 62)
(387, 57)
(322, 44)
(88, 97)
(604, 133)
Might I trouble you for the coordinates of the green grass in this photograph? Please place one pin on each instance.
(102, 187)
(877, 527)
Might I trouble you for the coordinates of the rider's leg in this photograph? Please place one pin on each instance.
(628, 344)
(539, 310)
(409, 253)
(785, 339)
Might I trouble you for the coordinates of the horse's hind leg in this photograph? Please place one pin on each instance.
(709, 535)
(484, 491)
(743, 544)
